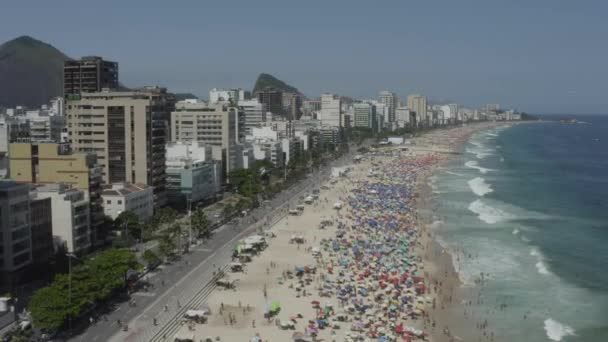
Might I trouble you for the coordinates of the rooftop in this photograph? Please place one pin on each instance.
(122, 189)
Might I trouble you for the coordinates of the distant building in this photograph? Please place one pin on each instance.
(365, 116)
(330, 114)
(122, 197)
(218, 125)
(391, 101)
(57, 106)
(311, 106)
(192, 174)
(88, 75)
(254, 114)
(418, 105)
(127, 130)
(272, 99)
(493, 108)
(404, 118)
(70, 213)
(226, 95)
(292, 104)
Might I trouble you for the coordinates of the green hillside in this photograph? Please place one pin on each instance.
(269, 81)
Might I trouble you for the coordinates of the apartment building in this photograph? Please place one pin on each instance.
(70, 215)
(16, 242)
(89, 74)
(218, 126)
(127, 131)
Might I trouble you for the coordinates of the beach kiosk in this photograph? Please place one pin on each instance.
(197, 316)
(185, 337)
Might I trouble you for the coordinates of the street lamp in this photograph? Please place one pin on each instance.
(70, 256)
(189, 201)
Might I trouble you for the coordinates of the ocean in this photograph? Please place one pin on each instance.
(527, 206)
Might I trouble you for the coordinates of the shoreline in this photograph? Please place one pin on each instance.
(450, 315)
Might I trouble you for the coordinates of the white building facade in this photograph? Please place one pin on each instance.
(70, 214)
(330, 114)
(122, 197)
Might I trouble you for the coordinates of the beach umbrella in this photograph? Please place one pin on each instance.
(275, 306)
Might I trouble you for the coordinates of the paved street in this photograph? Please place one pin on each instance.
(187, 283)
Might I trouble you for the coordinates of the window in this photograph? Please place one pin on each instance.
(119, 201)
(108, 202)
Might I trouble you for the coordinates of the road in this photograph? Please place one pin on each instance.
(187, 283)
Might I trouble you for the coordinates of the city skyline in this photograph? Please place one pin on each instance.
(526, 56)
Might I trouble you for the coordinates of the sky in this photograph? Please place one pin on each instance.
(538, 56)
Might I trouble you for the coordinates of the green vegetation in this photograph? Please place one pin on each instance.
(151, 258)
(92, 283)
(200, 223)
(163, 216)
(250, 182)
(269, 81)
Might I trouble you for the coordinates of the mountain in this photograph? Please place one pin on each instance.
(269, 81)
(31, 72)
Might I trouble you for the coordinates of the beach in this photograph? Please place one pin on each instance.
(360, 261)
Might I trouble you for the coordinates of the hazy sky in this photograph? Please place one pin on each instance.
(533, 55)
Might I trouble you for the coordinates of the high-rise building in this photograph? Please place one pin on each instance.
(272, 99)
(493, 108)
(16, 241)
(365, 116)
(311, 106)
(292, 104)
(391, 101)
(330, 114)
(127, 131)
(70, 215)
(218, 126)
(49, 163)
(254, 114)
(41, 223)
(417, 104)
(89, 74)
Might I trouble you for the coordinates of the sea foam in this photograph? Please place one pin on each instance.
(556, 330)
(540, 264)
(487, 213)
(474, 165)
(454, 173)
(479, 186)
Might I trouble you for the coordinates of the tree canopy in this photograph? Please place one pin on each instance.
(200, 223)
(93, 281)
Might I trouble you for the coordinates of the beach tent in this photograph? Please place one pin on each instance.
(184, 336)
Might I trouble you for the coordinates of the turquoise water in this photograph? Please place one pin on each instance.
(529, 204)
